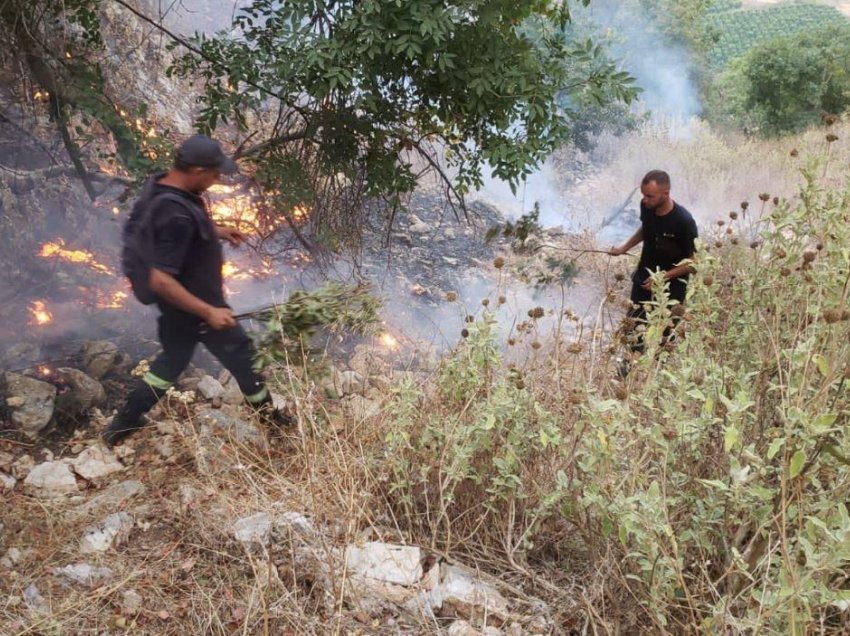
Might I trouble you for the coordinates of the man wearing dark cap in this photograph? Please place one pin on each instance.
(185, 276)
(667, 231)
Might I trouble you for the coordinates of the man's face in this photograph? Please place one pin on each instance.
(204, 178)
(654, 196)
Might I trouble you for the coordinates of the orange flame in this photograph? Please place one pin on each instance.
(40, 314)
(115, 300)
(57, 248)
(388, 340)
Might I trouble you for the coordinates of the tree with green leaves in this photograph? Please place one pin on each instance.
(787, 84)
(364, 96)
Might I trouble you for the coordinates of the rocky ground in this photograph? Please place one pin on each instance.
(210, 522)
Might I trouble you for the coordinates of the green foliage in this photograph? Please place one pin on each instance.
(290, 326)
(720, 482)
(737, 32)
(787, 84)
(472, 455)
(370, 86)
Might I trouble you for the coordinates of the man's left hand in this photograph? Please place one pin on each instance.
(647, 284)
(231, 235)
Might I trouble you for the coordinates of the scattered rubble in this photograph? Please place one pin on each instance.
(254, 532)
(210, 388)
(83, 391)
(84, 574)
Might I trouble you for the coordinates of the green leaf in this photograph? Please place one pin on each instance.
(798, 460)
(731, 438)
(775, 446)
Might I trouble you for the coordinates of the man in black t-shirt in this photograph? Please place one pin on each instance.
(667, 231)
(186, 277)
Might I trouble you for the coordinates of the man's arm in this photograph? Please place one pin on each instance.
(230, 234)
(171, 291)
(636, 238)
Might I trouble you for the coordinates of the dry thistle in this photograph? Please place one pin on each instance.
(485, 302)
(831, 316)
(728, 230)
(794, 152)
(718, 244)
(708, 280)
(621, 393)
(502, 300)
(764, 196)
(744, 205)
(537, 312)
(451, 296)
(536, 345)
(511, 342)
(754, 245)
(574, 347)
(780, 253)
(464, 333)
(733, 215)
(831, 137)
(498, 262)
(721, 223)
(678, 310)
(829, 119)
(809, 256)
(785, 272)
(470, 319)
(520, 384)
(619, 277)
(819, 247)
(734, 240)
(775, 200)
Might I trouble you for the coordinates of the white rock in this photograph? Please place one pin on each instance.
(228, 423)
(13, 557)
(462, 628)
(188, 495)
(99, 357)
(85, 392)
(362, 408)
(449, 233)
(232, 393)
(110, 532)
(96, 462)
(7, 482)
(254, 532)
(50, 480)
(131, 603)
(469, 597)
(34, 600)
(32, 402)
(352, 383)
(210, 388)
(84, 574)
(113, 497)
(385, 562)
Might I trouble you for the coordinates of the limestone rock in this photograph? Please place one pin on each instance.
(95, 463)
(254, 532)
(352, 383)
(84, 574)
(29, 401)
(100, 357)
(110, 532)
(294, 524)
(7, 483)
(229, 424)
(210, 388)
(131, 603)
(116, 496)
(385, 562)
(361, 408)
(34, 600)
(6, 461)
(51, 480)
(232, 392)
(85, 392)
(468, 597)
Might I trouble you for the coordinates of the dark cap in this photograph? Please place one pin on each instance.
(202, 152)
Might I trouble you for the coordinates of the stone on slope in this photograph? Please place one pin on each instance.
(96, 462)
(84, 574)
(461, 591)
(110, 532)
(50, 480)
(30, 402)
(386, 562)
(84, 391)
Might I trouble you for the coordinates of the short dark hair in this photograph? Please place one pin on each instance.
(659, 176)
(181, 166)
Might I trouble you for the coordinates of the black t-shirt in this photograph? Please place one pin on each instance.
(667, 239)
(186, 246)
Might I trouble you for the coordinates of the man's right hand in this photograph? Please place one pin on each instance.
(616, 251)
(219, 318)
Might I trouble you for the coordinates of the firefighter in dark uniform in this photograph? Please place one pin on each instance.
(185, 275)
(667, 231)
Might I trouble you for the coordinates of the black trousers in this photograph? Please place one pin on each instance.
(640, 297)
(232, 347)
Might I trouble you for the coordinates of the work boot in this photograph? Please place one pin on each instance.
(270, 415)
(141, 400)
